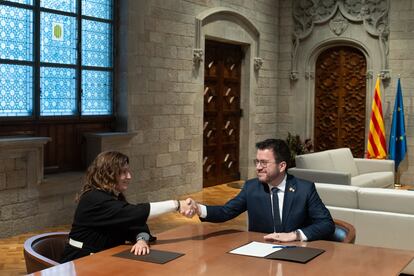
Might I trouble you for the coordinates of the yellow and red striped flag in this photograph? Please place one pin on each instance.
(376, 148)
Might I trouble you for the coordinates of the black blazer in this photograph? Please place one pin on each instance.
(302, 209)
(103, 221)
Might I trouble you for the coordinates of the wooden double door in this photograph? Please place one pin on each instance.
(221, 129)
(340, 100)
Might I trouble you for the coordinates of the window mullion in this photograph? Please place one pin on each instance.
(79, 60)
(36, 59)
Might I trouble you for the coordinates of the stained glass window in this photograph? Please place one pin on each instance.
(57, 86)
(28, 2)
(46, 69)
(97, 92)
(16, 33)
(16, 90)
(57, 38)
(60, 5)
(96, 44)
(97, 8)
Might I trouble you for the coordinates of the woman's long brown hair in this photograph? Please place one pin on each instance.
(104, 171)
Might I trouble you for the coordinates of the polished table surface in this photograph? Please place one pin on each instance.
(205, 247)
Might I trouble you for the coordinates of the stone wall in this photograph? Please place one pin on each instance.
(30, 200)
(27, 201)
(164, 88)
(285, 98)
(295, 98)
(401, 61)
(160, 106)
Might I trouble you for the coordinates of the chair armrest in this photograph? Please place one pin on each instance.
(320, 176)
(373, 165)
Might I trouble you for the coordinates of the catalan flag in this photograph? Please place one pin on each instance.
(376, 148)
(397, 144)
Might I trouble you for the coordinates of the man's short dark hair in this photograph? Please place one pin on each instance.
(279, 147)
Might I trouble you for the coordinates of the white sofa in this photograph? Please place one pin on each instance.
(338, 166)
(381, 217)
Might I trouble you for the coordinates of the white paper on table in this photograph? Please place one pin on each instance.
(255, 249)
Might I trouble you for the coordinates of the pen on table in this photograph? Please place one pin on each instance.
(284, 246)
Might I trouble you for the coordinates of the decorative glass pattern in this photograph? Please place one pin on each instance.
(16, 33)
(27, 2)
(57, 38)
(58, 45)
(96, 44)
(60, 5)
(97, 92)
(97, 8)
(58, 91)
(16, 90)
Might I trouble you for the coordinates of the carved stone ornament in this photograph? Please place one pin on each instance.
(258, 63)
(197, 56)
(309, 75)
(369, 75)
(338, 24)
(372, 15)
(385, 74)
(308, 13)
(294, 75)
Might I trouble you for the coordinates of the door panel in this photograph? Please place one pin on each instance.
(221, 113)
(340, 95)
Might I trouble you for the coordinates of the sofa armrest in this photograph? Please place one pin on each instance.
(373, 165)
(332, 177)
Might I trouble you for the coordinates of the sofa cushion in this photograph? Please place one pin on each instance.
(338, 195)
(386, 200)
(317, 161)
(384, 229)
(343, 160)
(375, 180)
(362, 181)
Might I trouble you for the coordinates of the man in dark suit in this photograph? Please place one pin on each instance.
(277, 203)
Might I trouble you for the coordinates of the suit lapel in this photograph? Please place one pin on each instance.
(288, 200)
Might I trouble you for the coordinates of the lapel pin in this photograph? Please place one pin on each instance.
(291, 189)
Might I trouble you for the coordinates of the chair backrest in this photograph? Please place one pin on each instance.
(44, 250)
(344, 232)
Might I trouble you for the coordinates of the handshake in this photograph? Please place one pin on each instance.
(189, 208)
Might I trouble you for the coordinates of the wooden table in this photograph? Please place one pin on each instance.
(206, 246)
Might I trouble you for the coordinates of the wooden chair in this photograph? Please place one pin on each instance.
(344, 232)
(44, 250)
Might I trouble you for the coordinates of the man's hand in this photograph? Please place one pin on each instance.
(281, 237)
(188, 207)
(141, 247)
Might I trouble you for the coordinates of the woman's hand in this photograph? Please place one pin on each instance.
(141, 247)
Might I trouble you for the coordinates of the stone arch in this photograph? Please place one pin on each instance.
(359, 24)
(304, 85)
(231, 26)
(214, 14)
(311, 64)
(310, 73)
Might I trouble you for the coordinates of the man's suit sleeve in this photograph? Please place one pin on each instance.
(322, 225)
(230, 210)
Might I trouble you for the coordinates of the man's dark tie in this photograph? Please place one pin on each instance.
(277, 224)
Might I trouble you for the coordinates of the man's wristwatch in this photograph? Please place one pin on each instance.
(143, 236)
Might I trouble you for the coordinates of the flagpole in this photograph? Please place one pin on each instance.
(397, 183)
